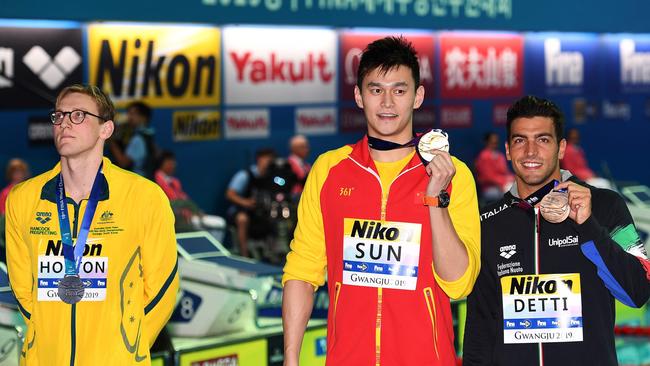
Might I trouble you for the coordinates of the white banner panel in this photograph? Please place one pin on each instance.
(265, 66)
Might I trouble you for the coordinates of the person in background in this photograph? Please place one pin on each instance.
(299, 147)
(17, 171)
(575, 161)
(134, 147)
(241, 193)
(188, 214)
(492, 174)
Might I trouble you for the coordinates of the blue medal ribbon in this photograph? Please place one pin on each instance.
(74, 254)
(536, 197)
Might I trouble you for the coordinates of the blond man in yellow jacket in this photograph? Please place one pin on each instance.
(91, 251)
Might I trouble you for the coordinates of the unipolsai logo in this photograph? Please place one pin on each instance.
(52, 71)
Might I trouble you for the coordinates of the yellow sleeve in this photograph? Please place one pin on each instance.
(159, 264)
(307, 259)
(463, 210)
(19, 257)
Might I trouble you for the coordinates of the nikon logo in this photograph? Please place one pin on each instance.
(533, 285)
(566, 242)
(150, 72)
(373, 230)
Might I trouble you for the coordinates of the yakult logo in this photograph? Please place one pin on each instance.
(248, 123)
(566, 242)
(562, 68)
(314, 66)
(635, 66)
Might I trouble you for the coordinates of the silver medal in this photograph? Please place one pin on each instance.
(71, 289)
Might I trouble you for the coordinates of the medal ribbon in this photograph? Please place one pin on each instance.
(74, 254)
(383, 145)
(537, 196)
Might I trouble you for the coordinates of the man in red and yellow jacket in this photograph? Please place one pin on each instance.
(398, 239)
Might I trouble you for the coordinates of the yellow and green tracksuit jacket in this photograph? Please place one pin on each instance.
(129, 269)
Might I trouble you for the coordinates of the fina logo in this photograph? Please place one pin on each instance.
(569, 241)
(52, 72)
(508, 251)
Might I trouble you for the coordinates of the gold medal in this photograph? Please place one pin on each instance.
(432, 141)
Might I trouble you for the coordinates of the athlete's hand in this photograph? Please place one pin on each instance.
(440, 170)
(579, 201)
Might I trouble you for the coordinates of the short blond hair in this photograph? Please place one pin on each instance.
(104, 104)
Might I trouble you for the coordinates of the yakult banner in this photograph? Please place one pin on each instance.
(627, 61)
(481, 65)
(164, 66)
(247, 123)
(353, 44)
(562, 63)
(315, 121)
(271, 66)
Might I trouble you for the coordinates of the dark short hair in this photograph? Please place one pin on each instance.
(531, 106)
(265, 151)
(386, 54)
(487, 135)
(141, 108)
(164, 156)
(104, 104)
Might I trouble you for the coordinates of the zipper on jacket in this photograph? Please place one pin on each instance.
(378, 328)
(337, 291)
(384, 203)
(431, 306)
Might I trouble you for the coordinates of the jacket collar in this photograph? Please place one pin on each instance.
(48, 192)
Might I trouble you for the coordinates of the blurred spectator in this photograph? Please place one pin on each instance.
(17, 171)
(188, 214)
(133, 146)
(574, 160)
(299, 147)
(493, 176)
(242, 193)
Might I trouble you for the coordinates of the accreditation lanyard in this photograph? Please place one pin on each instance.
(74, 254)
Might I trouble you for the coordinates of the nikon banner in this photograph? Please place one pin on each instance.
(164, 66)
(196, 125)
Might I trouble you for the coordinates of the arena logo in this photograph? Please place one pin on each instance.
(52, 71)
(562, 68)
(6, 67)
